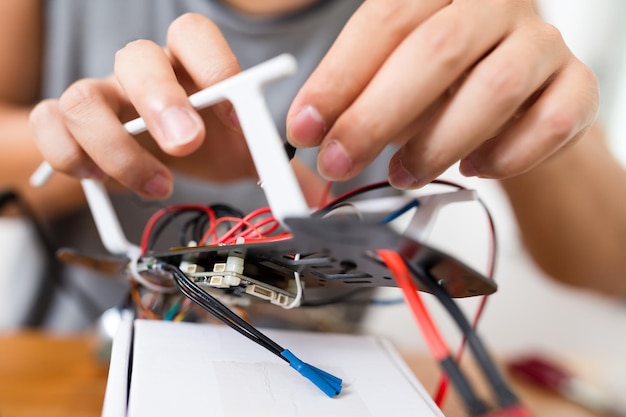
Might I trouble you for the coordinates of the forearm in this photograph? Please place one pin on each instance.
(21, 47)
(572, 215)
(19, 158)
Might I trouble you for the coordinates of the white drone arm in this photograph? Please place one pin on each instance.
(245, 92)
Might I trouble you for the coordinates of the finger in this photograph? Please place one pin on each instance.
(492, 93)
(564, 111)
(374, 30)
(555, 120)
(56, 143)
(145, 73)
(200, 53)
(425, 65)
(90, 111)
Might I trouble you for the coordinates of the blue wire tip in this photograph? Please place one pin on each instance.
(329, 384)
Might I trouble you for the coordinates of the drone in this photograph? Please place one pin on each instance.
(278, 254)
(334, 251)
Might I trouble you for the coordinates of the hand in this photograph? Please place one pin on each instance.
(484, 82)
(82, 134)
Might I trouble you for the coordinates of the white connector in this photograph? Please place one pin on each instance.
(234, 268)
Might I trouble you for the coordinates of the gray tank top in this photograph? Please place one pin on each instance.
(82, 38)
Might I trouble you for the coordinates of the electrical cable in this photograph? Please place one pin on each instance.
(393, 216)
(163, 217)
(329, 384)
(299, 288)
(188, 231)
(133, 268)
(442, 389)
(219, 310)
(504, 396)
(349, 195)
(434, 340)
(441, 392)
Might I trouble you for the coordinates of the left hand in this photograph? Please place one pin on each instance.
(485, 82)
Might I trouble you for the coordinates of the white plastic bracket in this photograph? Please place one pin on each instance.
(423, 220)
(276, 177)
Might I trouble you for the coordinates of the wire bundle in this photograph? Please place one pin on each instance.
(404, 272)
(329, 384)
(159, 305)
(215, 224)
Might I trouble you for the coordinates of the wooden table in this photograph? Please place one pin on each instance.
(45, 375)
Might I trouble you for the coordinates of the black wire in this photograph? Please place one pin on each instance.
(347, 196)
(165, 220)
(198, 222)
(199, 228)
(290, 150)
(504, 395)
(474, 404)
(195, 223)
(224, 210)
(220, 311)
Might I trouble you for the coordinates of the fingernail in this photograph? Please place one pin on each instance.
(179, 125)
(307, 127)
(467, 168)
(158, 186)
(399, 177)
(334, 162)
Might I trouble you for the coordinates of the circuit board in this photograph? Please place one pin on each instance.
(332, 253)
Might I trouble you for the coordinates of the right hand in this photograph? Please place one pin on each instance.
(82, 133)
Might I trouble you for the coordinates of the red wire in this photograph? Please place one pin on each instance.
(269, 224)
(442, 388)
(259, 228)
(247, 220)
(434, 340)
(145, 238)
(355, 192)
(239, 223)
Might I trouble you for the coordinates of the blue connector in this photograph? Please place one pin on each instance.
(330, 384)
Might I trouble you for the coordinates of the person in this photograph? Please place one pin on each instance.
(489, 84)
